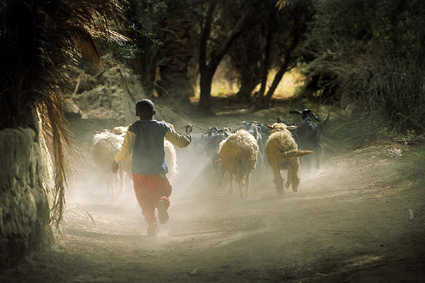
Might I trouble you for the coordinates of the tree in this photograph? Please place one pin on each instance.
(39, 41)
(210, 55)
(271, 43)
(161, 31)
(295, 18)
(246, 55)
(370, 55)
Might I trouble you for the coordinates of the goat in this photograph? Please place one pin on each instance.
(308, 136)
(238, 153)
(106, 145)
(282, 154)
(209, 145)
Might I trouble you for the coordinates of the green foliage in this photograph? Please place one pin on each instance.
(398, 92)
(355, 130)
(401, 22)
(370, 54)
(340, 22)
(147, 21)
(121, 52)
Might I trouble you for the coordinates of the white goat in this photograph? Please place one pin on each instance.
(238, 153)
(282, 154)
(105, 146)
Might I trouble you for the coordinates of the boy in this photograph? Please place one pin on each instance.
(145, 138)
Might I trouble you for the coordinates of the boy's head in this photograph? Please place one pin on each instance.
(145, 109)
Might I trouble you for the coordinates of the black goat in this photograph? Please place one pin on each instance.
(209, 144)
(308, 136)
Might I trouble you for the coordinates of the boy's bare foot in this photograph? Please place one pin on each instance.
(162, 212)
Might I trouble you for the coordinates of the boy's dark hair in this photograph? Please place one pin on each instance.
(145, 108)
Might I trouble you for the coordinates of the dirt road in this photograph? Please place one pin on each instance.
(360, 218)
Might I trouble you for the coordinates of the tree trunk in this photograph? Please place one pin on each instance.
(265, 101)
(247, 86)
(26, 189)
(205, 100)
(249, 56)
(207, 71)
(175, 56)
(261, 101)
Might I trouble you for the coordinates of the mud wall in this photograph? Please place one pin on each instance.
(25, 183)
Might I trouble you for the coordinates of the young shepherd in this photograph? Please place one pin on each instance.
(282, 154)
(239, 155)
(170, 153)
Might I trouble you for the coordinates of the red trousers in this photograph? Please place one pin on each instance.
(149, 189)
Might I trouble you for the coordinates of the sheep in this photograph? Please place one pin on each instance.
(170, 155)
(260, 133)
(171, 159)
(293, 132)
(282, 153)
(238, 153)
(309, 136)
(106, 145)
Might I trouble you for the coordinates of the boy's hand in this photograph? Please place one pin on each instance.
(188, 128)
(115, 167)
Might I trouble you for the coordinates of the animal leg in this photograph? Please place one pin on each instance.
(231, 183)
(294, 177)
(109, 183)
(288, 180)
(247, 177)
(219, 172)
(317, 161)
(115, 184)
(278, 181)
(239, 181)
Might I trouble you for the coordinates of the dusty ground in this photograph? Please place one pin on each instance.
(360, 218)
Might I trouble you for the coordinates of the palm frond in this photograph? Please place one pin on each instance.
(39, 41)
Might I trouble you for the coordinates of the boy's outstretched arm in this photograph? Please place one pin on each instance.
(180, 140)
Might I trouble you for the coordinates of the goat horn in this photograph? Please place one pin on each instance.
(315, 117)
(295, 112)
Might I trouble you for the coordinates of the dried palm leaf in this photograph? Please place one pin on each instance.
(39, 41)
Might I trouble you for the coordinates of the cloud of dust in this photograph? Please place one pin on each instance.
(195, 178)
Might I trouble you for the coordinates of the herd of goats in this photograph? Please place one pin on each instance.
(240, 151)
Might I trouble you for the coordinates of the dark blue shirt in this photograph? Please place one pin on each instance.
(148, 149)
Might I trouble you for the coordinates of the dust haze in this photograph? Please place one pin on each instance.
(350, 221)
